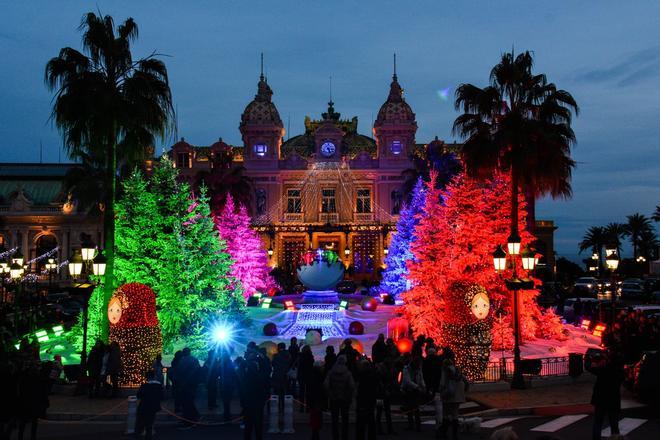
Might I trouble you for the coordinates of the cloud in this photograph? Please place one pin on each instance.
(634, 68)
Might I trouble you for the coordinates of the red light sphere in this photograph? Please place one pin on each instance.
(356, 328)
(404, 345)
(271, 292)
(370, 304)
(270, 329)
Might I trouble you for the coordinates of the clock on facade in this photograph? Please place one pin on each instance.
(328, 149)
(260, 149)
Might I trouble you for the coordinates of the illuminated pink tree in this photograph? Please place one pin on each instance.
(250, 262)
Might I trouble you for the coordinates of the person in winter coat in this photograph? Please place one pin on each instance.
(413, 389)
(315, 400)
(606, 397)
(254, 392)
(172, 377)
(432, 370)
(368, 388)
(150, 395)
(188, 377)
(453, 387)
(279, 378)
(379, 350)
(212, 370)
(33, 384)
(114, 366)
(386, 372)
(228, 383)
(94, 365)
(157, 366)
(305, 367)
(339, 385)
(329, 360)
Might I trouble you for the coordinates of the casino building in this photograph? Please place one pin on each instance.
(330, 186)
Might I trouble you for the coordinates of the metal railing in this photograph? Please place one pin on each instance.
(502, 370)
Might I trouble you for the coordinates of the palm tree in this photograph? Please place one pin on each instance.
(649, 244)
(108, 104)
(637, 226)
(656, 214)
(614, 232)
(519, 124)
(594, 239)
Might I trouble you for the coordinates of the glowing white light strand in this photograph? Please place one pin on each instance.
(8, 253)
(48, 254)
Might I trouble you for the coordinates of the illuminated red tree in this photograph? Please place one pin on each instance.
(250, 262)
(460, 228)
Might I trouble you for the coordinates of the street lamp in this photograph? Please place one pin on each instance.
(76, 264)
(88, 251)
(15, 271)
(515, 284)
(270, 252)
(18, 259)
(612, 262)
(99, 264)
(347, 251)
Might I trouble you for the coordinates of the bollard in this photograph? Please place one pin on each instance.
(130, 417)
(274, 416)
(288, 415)
(438, 410)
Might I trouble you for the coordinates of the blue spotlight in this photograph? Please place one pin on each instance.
(222, 334)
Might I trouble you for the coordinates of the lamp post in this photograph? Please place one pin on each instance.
(86, 261)
(612, 261)
(51, 267)
(515, 284)
(15, 273)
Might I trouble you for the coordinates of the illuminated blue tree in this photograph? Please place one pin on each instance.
(395, 278)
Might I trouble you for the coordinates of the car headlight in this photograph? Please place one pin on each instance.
(589, 286)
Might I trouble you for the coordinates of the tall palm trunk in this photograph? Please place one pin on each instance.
(514, 200)
(109, 234)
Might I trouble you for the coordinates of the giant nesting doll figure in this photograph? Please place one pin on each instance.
(134, 326)
(467, 327)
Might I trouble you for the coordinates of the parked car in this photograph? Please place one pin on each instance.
(569, 313)
(586, 285)
(632, 290)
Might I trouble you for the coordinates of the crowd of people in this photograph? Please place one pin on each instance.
(25, 383)
(346, 383)
(632, 334)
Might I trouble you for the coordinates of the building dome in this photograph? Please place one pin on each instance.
(395, 109)
(261, 110)
(182, 145)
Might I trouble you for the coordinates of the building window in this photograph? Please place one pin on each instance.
(183, 160)
(364, 252)
(293, 201)
(260, 149)
(328, 203)
(396, 147)
(363, 202)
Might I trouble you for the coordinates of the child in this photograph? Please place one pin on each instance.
(150, 394)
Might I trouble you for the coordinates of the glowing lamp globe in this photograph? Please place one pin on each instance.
(499, 259)
(270, 329)
(404, 345)
(513, 244)
(18, 259)
(75, 264)
(612, 261)
(369, 304)
(528, 259)
(356, 328)
(99, 264)
(15, 271)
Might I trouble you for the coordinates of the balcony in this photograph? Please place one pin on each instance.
(293, 216)
(363, 216)
(328, 217)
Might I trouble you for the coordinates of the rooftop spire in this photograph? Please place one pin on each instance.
(261, 77)
(394, 74)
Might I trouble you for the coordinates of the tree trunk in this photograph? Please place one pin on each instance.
(109, 235)
(514, 200)
(530, 199)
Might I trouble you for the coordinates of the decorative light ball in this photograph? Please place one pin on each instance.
(270, 329)
(397, 328)
(271, 348)
(369, 304)
(356, 328)
(313, 337)
(404, 345)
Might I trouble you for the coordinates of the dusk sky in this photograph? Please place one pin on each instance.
(606, 53)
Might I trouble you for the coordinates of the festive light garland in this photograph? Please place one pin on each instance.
(48, 254)
(8, 252)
